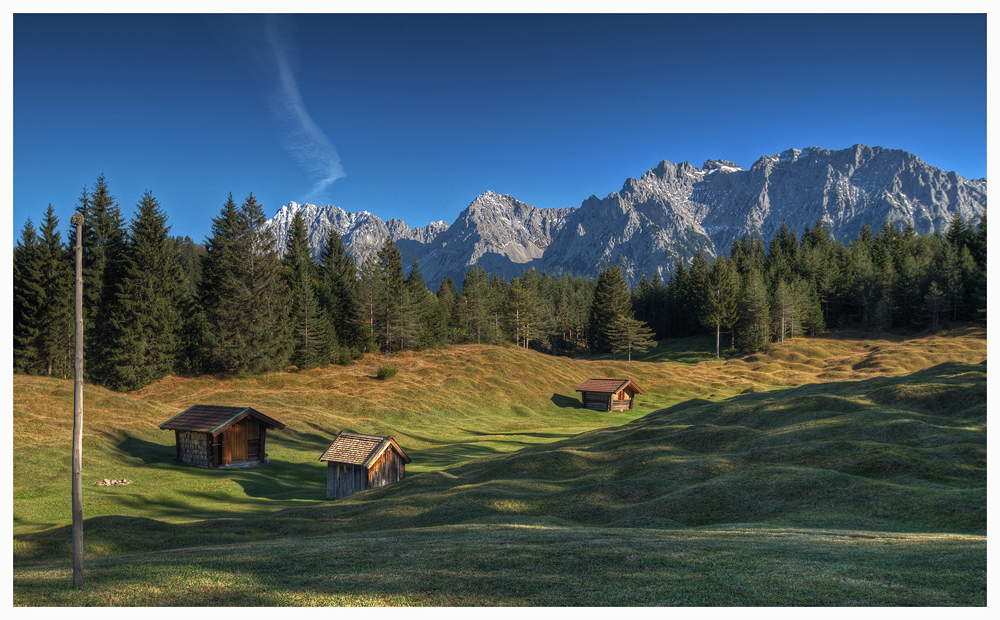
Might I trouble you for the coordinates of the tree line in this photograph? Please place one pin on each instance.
(156, 304)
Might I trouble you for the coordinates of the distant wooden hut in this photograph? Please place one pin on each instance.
(609, 394)
(213, 436)
(356, 462)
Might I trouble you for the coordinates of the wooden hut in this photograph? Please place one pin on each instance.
(609, 394)
(213, 436)
(355, 462)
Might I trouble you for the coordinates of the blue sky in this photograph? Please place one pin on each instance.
(413, 116)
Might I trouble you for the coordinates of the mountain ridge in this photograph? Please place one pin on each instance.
(667, 214)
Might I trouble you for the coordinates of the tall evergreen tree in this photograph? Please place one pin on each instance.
(339, 292)
(612, 298)
(395, 319)
(144, 315)
(475, 304)
(56, 346)
(314, 340)
(753, 332)
(103, 252)
(243, 294)
(430, 325)
(629, 334)
(719, 308)
(29, 299)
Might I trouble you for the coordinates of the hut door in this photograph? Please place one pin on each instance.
(227, 452)
(239, 440)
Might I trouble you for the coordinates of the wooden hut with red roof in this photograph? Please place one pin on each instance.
(356, 462)
(214, 436)
(609, 394)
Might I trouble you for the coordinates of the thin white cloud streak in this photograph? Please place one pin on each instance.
(308, 144)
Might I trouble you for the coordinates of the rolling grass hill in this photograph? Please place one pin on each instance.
(827, 471)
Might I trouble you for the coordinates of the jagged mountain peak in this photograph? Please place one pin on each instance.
(668, 213)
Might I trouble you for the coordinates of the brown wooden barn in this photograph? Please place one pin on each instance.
(356, 462)
(213, 436)
(609, 394)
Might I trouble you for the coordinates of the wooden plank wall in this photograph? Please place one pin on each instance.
(597, 401)
(387, 469)
(343, 479)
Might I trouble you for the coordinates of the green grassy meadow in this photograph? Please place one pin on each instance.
(842, 470)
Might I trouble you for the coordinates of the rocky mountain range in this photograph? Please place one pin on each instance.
(669, 213)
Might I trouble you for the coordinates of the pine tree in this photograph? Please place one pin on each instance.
(338, 290)
(103, 253)
(144, 314)
(269, 297)
(522, 310)
(56, 345)
(784, 310)
(369, 286)
(447, 295)
(611, 299)
(29, 299)
(430, 325)
(243, 294)
(627, 334)
(753, 331)
(394, 317)
(475, 304)
(719, 308)
(313, 335)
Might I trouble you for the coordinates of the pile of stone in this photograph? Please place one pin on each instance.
(111, 483)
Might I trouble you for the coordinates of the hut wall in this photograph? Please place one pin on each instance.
(387, 469)
(343, 479)
(193, 448)
(597, 401)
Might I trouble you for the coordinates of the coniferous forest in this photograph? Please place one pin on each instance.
(156, 304)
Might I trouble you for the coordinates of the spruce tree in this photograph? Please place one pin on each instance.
(430, 325)
(447, 295)
(753, 330)
(369, 287)
(144, 315)
(55, 346)
(721, 295)
(475, 304)
(103, 251)
(313, 335)
(611, 299)
(627, 334)
(338, 289)
(29, 299)
(269, 302)
(394, 317)
(243, 294)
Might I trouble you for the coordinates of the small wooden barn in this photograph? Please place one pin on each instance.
(609, 394)
(214, 436)
(356, 462)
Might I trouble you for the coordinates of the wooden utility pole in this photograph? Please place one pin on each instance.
(77, 220)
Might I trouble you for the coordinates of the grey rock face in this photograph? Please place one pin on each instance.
(363, 233)
(501, 234)
(668, 214)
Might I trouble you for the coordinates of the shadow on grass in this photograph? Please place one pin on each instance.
(559, 400)
(451, 454)
(146, 451)
(280, 480)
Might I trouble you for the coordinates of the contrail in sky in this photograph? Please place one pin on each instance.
(308, 144)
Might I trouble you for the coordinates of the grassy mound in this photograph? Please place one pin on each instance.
(739, 489)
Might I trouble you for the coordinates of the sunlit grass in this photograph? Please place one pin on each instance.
(882, 435)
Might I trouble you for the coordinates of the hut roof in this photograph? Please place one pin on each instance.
(608, 386)
(358, 449)
(214, 419)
